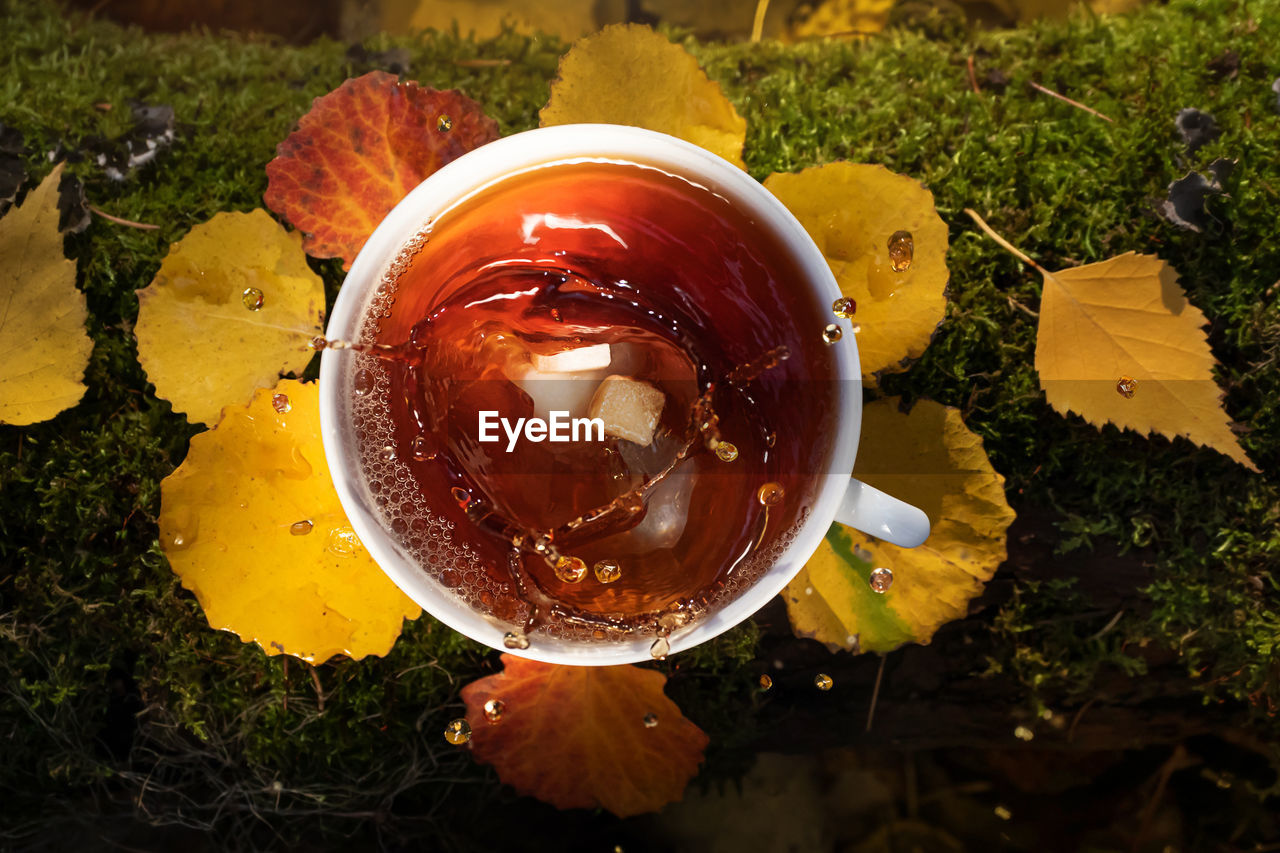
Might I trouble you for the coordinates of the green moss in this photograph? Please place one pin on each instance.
(100, 647)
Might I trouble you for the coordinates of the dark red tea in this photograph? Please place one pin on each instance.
(595, 289)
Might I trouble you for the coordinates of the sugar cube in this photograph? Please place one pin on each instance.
(629, 408)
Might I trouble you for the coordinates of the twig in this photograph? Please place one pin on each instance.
(481, 63)
(973, 77)
(757, 25)
(875, 693)
(117, 220)
(1071, 731)
(1066, 100)
(315, 678)
(1107, 627)
(1009, 247)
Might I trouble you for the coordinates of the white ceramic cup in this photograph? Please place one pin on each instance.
(839, 497)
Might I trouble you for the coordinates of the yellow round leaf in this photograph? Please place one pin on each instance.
(628, 74)
(42, 316)
(852, 211)
(252, 525)
(201, 340)
(928, 458)
(834, 18)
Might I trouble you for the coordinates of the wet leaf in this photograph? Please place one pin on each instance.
(629, 74)
(1185, 205)
(201, 340)
(839, 18)
(360, 150)
(852, 211)
(575, 736)
(930, 459)
(42, 320)
(1127, 316)
(252, 525)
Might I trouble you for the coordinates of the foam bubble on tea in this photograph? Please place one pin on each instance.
(585, 373)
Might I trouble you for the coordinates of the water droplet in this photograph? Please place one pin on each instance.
(457, 732)
(844, 307)
(823, 682)
(831, 333)
(280, 402)
(1127, 386)
(770, 439)
(660, 649)
(770, 494)
(1003, 813)
(570, 569)
(300, 528)
(493, 710)
(362, 382)
(444, 124)
(512, 640)
(1023, 733)
(607, 571)
(726, 452)
(902, 249)
(765, 682)
(252, 298)
(421, 448)
(881, 580)
(343, 542)
(319, 343)
(461, 495)
(386, 454)
(650, 720)
(857, 327)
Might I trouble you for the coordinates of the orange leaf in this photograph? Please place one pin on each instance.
(360, 150)
(577, 736)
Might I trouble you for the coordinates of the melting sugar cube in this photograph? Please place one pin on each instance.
(593, 357)
(629, 408)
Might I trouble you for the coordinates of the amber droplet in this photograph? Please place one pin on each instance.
(444, 124)
(460, 495)
(570, 569)
(831, 333)
(318, 343)
(252, 298)
(493, 710)
(823, 682)
(765, 682)
(457, 732)
(512, 640)
(902, 249)
(660, 649)
(280, 402)
(1127, 386)
(770, 494)
(844, 307)
(421, 448)
(607, 571)
(881, 579)
(300, 528)
(650, 720)
(726, 452)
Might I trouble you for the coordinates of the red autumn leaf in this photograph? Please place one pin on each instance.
(582, 737)
(360, 150)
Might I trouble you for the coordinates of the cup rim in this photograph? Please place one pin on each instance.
(470, 174)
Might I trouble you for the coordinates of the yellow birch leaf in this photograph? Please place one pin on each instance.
(233, 306)
(629, 74)
(485, 19)
(928, 458)
(852, 211)
(42, 313)
(844, 18)
(1127, 318)
(252, 525)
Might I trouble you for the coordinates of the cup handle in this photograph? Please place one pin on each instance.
(873, 512)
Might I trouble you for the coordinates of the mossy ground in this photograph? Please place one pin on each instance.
(118, 698)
